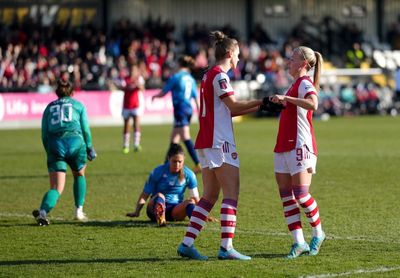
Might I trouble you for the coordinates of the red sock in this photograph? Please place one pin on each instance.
(292, 215)
(197, 221)
(310, 207)
(228, 222)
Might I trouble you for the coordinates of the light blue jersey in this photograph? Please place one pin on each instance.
(183, 88)
(161, 180)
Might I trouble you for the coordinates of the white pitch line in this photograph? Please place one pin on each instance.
(243, 231)
(358, 271)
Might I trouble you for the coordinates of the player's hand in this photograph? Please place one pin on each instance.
(270, 106)
(91, 154)
(132, 214)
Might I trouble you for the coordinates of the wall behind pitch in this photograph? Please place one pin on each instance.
(182, 12)
(315, 10)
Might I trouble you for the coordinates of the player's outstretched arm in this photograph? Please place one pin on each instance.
(139, 205)
(241, 107)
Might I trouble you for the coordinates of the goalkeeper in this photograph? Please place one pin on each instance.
(67, 140)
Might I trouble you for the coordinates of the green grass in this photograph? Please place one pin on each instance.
(357, 187)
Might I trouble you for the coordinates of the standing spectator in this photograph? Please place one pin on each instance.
(296, 150)
(217, 151)
(67, 140)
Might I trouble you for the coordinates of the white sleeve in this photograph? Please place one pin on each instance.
(222, 85)
(194, 192)
(306, 88)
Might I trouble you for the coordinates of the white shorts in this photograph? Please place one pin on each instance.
(127, 113)
(214, 158)
(295, 161)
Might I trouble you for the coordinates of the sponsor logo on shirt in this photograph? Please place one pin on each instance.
(223, 83)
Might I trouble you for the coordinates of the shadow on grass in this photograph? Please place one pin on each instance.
(99, 223)
(127, 223)
(269, 256)
(17, 177)
(83, 261)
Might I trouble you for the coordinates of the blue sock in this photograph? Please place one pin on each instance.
(189, 209)
(159, 200)
(190, 148)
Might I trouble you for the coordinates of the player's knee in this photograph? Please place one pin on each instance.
(160, 195)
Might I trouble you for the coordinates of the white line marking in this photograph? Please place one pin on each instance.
(358, 271)
(243, 231)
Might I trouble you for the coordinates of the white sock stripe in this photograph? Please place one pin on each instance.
(285, 199)
(304, 199)
(197, 220)
(188, 241)
(293, 218)
(223, 205)
(228, 217)
(192, 230)
(288, 208)
(314, 218)
(201, 211)
(228, 230)
(311, 207)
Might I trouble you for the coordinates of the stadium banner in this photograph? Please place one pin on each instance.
(24, 110)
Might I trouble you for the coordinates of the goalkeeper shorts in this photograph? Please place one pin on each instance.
(215, 157)
(295, 161)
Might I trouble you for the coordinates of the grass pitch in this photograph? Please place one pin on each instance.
(357, 189)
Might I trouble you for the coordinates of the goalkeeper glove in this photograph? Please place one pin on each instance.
(91, 153)
(270, 106)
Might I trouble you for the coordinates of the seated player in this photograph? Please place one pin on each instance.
(166, 186)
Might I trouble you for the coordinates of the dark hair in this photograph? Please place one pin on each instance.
(176, 149)
(186, 61)
(222, 44)
(64, 89)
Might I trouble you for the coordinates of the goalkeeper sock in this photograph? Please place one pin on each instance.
(190, 148)
(79, 190)
(49, 200)
(310, 207)
(292, 215)
(228, 222)
(197, 221)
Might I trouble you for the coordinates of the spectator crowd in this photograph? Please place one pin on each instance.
(33, 56)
